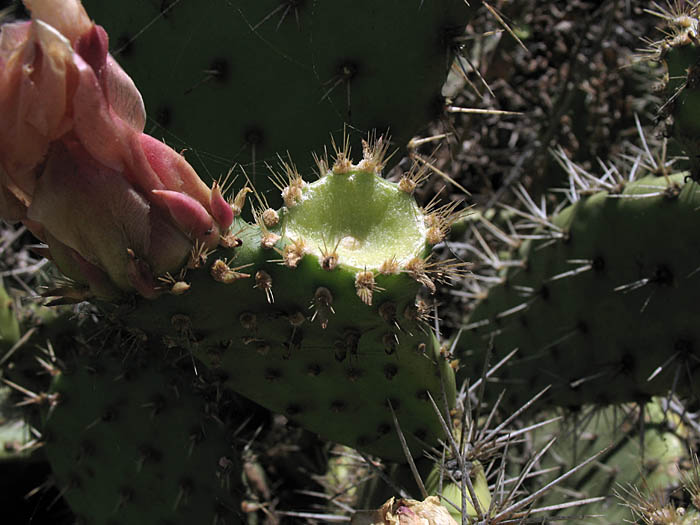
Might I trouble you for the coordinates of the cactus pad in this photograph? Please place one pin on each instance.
(244, 81)
(315, 316)
(131, 442)
(604, 311)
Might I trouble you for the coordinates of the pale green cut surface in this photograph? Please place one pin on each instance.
(368, 218)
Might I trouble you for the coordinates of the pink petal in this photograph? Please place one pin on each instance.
(124, 99)
(220, 209)
(120, 91)
(92, 47)
(67, 16)
(173, 170)
(91, 209)
(34, 86)
(190, 215)
(104, 137)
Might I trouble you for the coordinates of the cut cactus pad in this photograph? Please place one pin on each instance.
(364, 220)
(315, 316)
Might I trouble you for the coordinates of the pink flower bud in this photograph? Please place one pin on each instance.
(116, 207)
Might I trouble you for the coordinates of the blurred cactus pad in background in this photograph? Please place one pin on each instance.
(387, 262)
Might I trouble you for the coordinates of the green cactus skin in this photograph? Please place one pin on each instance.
(600, 335)
(328, 332)
(451, 493)
(679, 53)
(130, 442)
(225, 78)
(650, 455)
(9, 326)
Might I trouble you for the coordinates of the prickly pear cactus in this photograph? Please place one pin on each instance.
(644, 446)
(679, 53)
(313, 314)
(597, 306)
(312, 310)
(224, 79)
(131, 441)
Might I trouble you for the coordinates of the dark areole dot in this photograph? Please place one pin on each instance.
(354, 374)
(314, 369)
(110, 414)
(220, 70)
(384, 429)
(347, 69)
(598, 264)
(663, 275)
(338, 406)
(421, 434)
(628, 363)
(684, 346)
(293, 410)
(393, 403)
(272, 374)
(390, 371)
(150, 454)
(254, 136)
(87, 449)
(363, 441)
